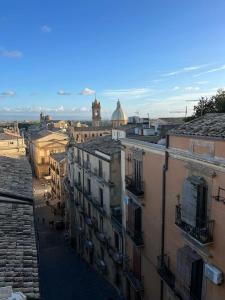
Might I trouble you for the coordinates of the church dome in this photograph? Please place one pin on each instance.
(118, 114)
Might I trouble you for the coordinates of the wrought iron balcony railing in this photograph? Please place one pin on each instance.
(136, 236)
(164, 271)
(203, 232)
(78, 186)
(116, 256)
(135, 282)
(134, 186)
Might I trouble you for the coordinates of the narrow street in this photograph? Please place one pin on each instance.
(63, 275)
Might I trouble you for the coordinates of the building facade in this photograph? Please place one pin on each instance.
(173, 213)
(41, 145)
(93, 210)
(57, 164)
(82, 134)
(12, 144)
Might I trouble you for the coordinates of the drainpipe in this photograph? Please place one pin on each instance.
(164, 169)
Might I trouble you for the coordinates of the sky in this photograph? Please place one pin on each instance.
(153, 55)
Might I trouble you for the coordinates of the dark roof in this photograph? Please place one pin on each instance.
(103, 144)
(173, 120)
(100, 128)
(18, 251)
(58, 156)
(144, 138)
(210, 125)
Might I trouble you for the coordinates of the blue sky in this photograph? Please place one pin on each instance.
(152, 54)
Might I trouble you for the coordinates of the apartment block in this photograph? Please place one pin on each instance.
(57, 173)
(93, 209)
(173, 213)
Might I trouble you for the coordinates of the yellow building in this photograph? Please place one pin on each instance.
(41, 145)
(12, 144)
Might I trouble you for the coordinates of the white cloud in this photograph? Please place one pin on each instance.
(202, 82)
(192, 88)
(10, 53)
(7, 94)
(63, 93)
(175, 88)
(184, 70)
(221, 68)
(132, 93)
(82, 109)
(87, 91)
(46, 29)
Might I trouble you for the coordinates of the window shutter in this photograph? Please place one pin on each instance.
(189, 273)
(136, 262)
(193, 200)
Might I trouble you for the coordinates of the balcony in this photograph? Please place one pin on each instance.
(78, 186)
(136, 187)
(88, 221)
(136, 236)
(202, 234)
(101, 237)
(67, 185)
(101, 209)
(101, 265)
(135, 282)
(87, 165)
(116, 256)
(87, 194)
(164, 271)
(79, 230)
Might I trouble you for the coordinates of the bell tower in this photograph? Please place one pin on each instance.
(96, 113)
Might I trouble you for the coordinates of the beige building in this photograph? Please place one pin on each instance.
(174, 215)
(94, 205)
(82, 134)
(41, 145)
(12, 144)
(57, 164)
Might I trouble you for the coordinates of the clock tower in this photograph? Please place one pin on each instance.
(96, 113)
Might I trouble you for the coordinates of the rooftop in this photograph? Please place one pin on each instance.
(18, 252)
(209, 125)
(103, 144)
(44, 132)
(58, 156)
(7, 136)
(100, 128)
(144, 138)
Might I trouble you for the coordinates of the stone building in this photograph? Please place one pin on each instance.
(41, 145)
(18, 249)
(119, 118)
(82, 134)
(173, 213)
(12, 144)
(94, 205)
(96, 113)
(57, 172)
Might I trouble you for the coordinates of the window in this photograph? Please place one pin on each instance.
(134, 221)
(78, 155)
(88, 157)
(89, 186)
(101, 196)
(89, 210)
(101, 223)
(79, 178)
(194, 201)
(190, 273)
(100, 168)
(116, 241)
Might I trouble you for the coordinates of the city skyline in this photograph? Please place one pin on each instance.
(56, 56)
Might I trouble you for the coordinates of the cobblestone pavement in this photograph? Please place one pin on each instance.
(63, 275)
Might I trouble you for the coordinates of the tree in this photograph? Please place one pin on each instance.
(219, 100)
(204, 106)
(214, 104)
